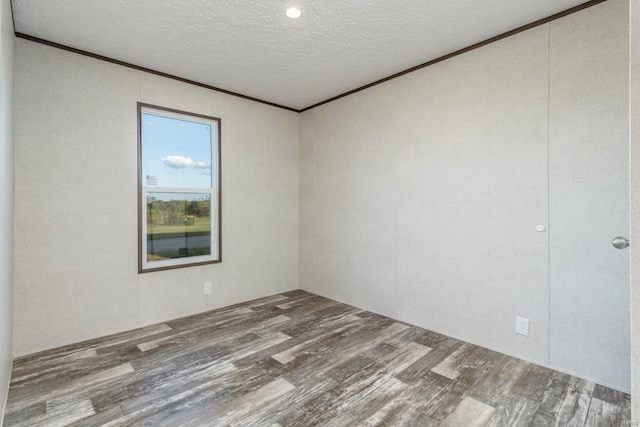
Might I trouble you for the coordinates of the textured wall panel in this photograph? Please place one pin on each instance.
(589, 193)
(472, 188)
(76, 201)
(354, 221)
(635, 204)
(6, 198)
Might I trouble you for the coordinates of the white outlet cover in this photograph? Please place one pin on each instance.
(522, 326)
(207, 288)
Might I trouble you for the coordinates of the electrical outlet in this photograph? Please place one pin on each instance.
(207, 288)
(522, 326)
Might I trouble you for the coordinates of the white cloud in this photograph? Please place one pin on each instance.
(180, 162)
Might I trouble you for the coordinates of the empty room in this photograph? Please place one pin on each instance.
(315, 213)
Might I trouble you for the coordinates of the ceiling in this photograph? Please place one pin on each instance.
(252, 48)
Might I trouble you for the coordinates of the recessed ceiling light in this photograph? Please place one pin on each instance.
(293, 12)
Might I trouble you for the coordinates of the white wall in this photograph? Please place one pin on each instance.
(634, 74)
(427, 191)
(472, 188)
(306, 241)
(76, 201)
(589, 193)
(6, 199)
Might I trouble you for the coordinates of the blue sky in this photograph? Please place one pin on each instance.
(177, 152)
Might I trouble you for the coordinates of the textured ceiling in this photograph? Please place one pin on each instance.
(252, 48)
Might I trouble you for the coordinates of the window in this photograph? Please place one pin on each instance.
(178, 189)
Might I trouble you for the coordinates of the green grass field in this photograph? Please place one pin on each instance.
(201, 224)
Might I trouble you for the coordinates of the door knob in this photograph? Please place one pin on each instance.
(620, 242)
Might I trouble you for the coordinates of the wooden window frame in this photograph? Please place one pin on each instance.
(216, 171)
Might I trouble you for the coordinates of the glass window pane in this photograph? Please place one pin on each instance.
(179, 169)
(178, 225)
(175, 152)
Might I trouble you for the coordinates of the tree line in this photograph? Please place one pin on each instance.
(176, 211)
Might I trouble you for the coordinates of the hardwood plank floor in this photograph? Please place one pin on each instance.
(296, 359)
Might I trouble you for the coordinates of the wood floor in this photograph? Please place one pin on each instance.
(297, 359)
